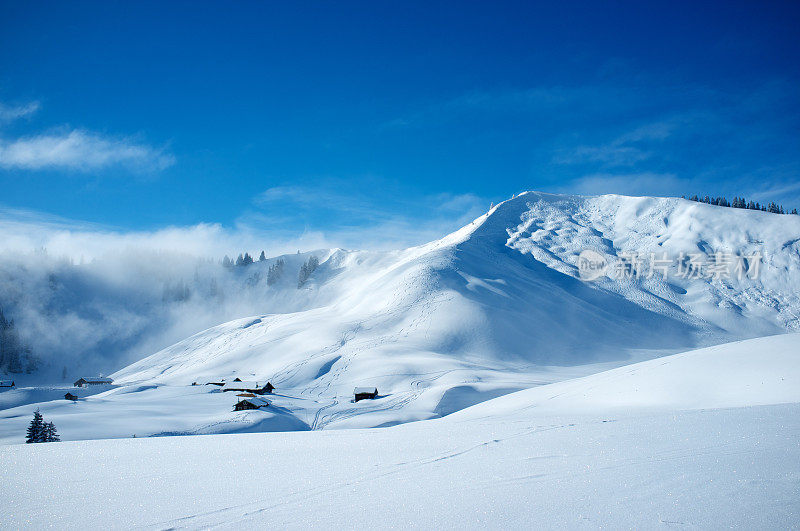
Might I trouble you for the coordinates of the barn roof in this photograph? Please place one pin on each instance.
(95, 379)
(6, 383)
(365, 390)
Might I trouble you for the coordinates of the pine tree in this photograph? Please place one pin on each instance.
(306, 269)
(247, 260)
(262, 257)
(226, 262)
(35, 433)
(240, 260)
(794, 211)
(275, 271)
(50, 433)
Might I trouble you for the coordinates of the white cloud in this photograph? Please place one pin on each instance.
(280, 223)
(361, 213)
(81, 151)
(9, 113)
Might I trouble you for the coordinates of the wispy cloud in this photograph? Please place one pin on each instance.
(281, 220)
(9, 113)
(627, 149)
(366, 213)
(77, 150)
(645, 183)
(80, 151)
(608, 154)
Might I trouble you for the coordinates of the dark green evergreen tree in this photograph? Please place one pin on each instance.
(50, 433)
(35, 433)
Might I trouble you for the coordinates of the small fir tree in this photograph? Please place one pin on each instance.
(50, 433)
(35, 433)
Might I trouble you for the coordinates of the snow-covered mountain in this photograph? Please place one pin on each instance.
(503, 294)
(495, 307)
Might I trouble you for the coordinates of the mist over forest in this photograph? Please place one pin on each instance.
(62, 317)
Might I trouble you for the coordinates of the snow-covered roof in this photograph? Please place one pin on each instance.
(6, 383)
(365, 390)
(241, 385)
(256, 401)
(95, 379)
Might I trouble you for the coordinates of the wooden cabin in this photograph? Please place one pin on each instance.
(70, 396)
(237, 379)
(364, 393)
(216, 383)
(250, 403)
(87, 381)
(7, 383)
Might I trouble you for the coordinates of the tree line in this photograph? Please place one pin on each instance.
(242, 260)
(741, 202)
(275, 271)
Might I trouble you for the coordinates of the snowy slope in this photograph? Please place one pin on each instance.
(616, 452)
(495, 307)
(505, 288)
(752, 372)
(499, 303)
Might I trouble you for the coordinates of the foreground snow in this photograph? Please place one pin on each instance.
(710, 469)
(654, 444)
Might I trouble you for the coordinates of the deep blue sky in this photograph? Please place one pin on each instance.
(292, 115)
